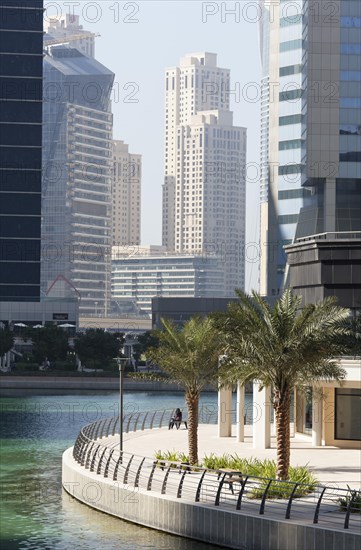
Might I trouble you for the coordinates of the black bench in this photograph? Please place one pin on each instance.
(177, 424)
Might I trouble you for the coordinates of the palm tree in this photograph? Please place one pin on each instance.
(282, 347)
(190, 358)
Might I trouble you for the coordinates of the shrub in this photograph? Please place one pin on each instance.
(345, 501)
(26, 367)
(65, 366)
(265, 469)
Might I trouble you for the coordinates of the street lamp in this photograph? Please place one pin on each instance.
(121, 363)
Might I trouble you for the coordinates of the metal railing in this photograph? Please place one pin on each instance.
(136, 420)
(332, 507)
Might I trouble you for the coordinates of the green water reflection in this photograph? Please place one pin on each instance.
(36, 514)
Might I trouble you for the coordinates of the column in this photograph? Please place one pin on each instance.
(225, 412)
(316, 419)
(240, 412)
(261, 417)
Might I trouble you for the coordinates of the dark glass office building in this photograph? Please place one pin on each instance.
(21, 70)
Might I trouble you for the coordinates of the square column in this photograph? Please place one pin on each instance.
(316, 420)
(225, 412)
(261, 417)
(240, 412)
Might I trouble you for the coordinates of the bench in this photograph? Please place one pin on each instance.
(231, 477)
(177, 424)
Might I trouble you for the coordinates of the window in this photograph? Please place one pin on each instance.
(290, 69)
(290, 144)
(290, 20)
(293, 194)
(290, 119)
(288, 219)
(288, 169)
(291, 45)
(347, 414)
(290, 95)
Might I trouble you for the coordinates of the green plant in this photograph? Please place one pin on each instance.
(265, 469)
(26, 367)
(356, 504)
(281, 346)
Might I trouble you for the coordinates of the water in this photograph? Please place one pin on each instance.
(36, 513)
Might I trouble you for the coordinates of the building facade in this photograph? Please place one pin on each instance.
(66, 29)
(126, 195)
(142, 273)
(77, 175)
(21, 53)
(205, 156)
(313, 129)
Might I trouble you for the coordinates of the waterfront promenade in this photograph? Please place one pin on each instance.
(331, 465)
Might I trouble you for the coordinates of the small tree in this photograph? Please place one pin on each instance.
(96, 347)
(283, 347)
(49, 342)
(146, 340)
(190, 358)
(6, 341)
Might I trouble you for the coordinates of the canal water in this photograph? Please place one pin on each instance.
(36, 513)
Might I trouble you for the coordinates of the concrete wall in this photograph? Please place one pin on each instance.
(197, 521)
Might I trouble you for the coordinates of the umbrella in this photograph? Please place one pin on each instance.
(67, 325)
(38, 326)
(20, 325)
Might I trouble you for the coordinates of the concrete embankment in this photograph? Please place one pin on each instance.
(11, 386)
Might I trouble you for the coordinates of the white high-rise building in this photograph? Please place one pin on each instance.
(205, 156)
(126, 195)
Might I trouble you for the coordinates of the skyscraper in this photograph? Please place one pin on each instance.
(21, 54)
(126, 195)
(77, 175)
(205, 156)
(282, 194)
(314, 150)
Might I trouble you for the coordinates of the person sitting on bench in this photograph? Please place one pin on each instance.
(176, 419)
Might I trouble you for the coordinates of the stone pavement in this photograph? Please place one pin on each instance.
(331, 465)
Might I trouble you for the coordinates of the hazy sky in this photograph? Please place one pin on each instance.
(138, 41)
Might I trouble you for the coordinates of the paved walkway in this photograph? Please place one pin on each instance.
(331, 465)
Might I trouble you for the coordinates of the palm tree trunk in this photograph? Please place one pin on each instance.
(192, 403)
(282, 415)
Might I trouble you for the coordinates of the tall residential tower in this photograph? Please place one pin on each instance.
(205, 157)
(126, 195)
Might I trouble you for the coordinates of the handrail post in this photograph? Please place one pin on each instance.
(93, 459)
(198, 492)
(151, 422)
(348, 511)
(88, 455)
(143, 423)
(100, 461)
(218, 495)
(318, 505)
(264, 496)
(180, 486)
(149, 484)
(119, 461)
(125, 480)
(136, 483)
(164, 484)
(161, 420)
(240, 496)
(288, 511)
(108, 463)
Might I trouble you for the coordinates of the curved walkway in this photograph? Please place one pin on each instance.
(331, 465)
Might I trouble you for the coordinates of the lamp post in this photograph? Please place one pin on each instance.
(121, 362)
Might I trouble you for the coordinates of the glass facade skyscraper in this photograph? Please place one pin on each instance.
(77, 175)
(314, 184)
(21, 71)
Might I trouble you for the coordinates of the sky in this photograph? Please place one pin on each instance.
(138, 41)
